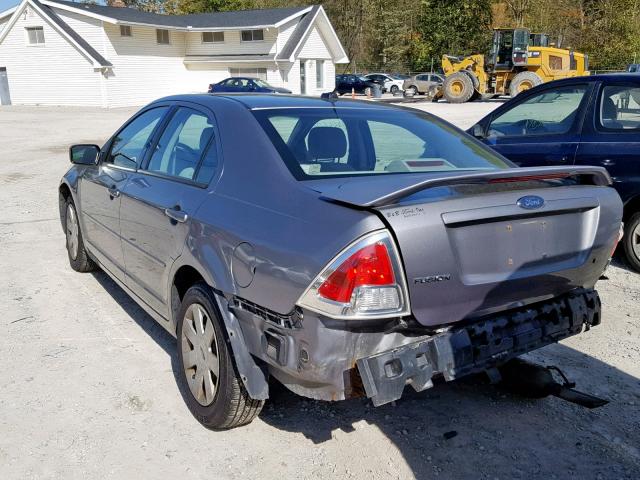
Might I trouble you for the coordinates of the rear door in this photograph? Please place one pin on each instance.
(101, 186)
(611, 135)
(160, 198)
(541, 128)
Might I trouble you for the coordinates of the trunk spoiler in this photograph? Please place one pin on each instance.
(378, 191)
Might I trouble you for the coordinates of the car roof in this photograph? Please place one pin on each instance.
(602, 77)
(265, 101)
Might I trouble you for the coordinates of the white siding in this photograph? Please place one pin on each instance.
(55, 73)
(143, 70)
(314, 46)
(232, 44)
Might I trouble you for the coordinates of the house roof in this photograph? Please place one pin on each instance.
(216, 20)
(82, 43)
(298, 34)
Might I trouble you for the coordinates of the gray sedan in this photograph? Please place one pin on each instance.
(344, 248)
(423, 82)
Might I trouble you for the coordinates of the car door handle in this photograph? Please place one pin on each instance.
(607, 162)
(114, 192)
(176, 214)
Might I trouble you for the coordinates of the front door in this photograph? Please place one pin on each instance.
(303, 77)
(540, 129)
(101, 187)
(161, 197)
(5, 97)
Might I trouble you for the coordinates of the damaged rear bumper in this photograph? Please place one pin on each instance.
(477, 346)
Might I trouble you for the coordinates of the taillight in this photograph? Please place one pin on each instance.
(363, 281)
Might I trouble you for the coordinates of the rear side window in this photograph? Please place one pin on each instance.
(350, 141)
(549, 112)
(182, 145)
(620, 108)
(130, 144)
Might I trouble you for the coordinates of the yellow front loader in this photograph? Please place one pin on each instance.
(518, 61)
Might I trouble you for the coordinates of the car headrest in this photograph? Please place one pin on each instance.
(327, 142)
(609, 109)
(204, 137)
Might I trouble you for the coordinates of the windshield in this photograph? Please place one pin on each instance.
(261, 83)
(356, 141)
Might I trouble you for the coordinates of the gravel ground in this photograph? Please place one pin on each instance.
(87, 388)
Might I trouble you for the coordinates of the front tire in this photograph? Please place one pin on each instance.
(458, 88)
(207, 377)
(523, 82)
(631, 241)
(394, 89)
(78, 257)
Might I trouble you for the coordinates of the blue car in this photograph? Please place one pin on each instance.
(592, 120)
(245, 85)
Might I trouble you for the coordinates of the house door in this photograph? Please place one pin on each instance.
(303, 77)
(5, 98)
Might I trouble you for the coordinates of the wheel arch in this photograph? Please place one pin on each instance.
(631, 206)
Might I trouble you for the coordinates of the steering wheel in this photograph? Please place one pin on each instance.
(530, 125)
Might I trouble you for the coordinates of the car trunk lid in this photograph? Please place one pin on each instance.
(477, 243)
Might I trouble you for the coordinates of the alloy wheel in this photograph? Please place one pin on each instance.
(200, 354)
(72, 232)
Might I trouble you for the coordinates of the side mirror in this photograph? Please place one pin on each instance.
(84, 154)
(477, 131)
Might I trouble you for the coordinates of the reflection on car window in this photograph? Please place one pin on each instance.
(284, 126)
(620, 107)
(182, 144)
(346, 141)
(549, 112)
(128, 147)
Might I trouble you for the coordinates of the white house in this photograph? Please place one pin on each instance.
(54, 52)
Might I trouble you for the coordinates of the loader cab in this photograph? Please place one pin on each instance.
(538, 40)
(509, 49)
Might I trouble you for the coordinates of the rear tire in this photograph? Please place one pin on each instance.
(458, 88)
(207, 376)
(631, 241)
(523, 82)
(78, 257)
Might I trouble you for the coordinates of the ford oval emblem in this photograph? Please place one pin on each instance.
(530, 202)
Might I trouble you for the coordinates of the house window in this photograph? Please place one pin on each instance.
(319, 73)
(212, 37)
(252, 35)
(162, 36)
(125, 31)
(35, 35)
(260, 73)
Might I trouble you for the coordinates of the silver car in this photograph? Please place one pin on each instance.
(423, 83)
(344, 248)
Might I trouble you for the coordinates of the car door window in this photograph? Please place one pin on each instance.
(619, 108)
(182, 144)
(130, 143)
(551, 111)
(422, 78)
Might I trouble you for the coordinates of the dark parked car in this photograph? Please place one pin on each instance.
(347, 83)
(245, 85)
(344, 248)
(591, 120)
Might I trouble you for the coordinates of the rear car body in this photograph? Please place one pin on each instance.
(388, 83)
(591, 120)
(351, 248)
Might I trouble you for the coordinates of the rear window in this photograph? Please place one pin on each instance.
(317, 142)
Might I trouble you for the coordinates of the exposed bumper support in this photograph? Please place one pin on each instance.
(478, 346)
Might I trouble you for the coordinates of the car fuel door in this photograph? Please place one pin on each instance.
(160, 199)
